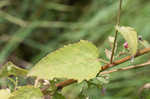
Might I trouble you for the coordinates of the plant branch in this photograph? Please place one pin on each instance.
(141, 52)
(61, 84)
(116, 32)
(126, 68)
(65, 83)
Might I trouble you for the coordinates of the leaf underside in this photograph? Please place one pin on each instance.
(130, 35)
(75, 61)
(27, 92)
(4, 94)
(11, 69)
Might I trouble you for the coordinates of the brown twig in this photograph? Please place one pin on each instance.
(61, 84)
(126, 68)
(141, 52)
(71, 81)
(116, 32)
(65, 83)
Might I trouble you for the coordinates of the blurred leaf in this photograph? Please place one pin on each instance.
(59, 7)
(111, 39)
(52, 87)
(81, 97)
(130, 35)
(100, 80)
(57, 28)
(10, 69)
(92, 92)
(108, 53)
(27, 92)
(142, 91)
(4, 93)
(16, 39)
(73, 91)
(58, 96)
(77, 61)
(145, 43)
(111, 43)
(4, 3)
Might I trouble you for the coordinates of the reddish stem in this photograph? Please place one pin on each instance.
(141, 52)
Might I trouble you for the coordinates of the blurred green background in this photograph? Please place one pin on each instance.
(30, 29)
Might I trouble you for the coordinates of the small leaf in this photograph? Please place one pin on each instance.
(145, 43)
(100, 80)
(58, 96)
(73, 91)
(130, 35)
(10, 69)
(76, 61)
(4, 93)
(27, 92)
(111, 41)
(108, 53)
(92, 92)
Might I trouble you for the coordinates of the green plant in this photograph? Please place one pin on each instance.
(77, 64)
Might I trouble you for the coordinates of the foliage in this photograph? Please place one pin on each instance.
(27, 92)
(10, 69)
(130, 36)
(76, 61)
(4, 94)
(31, 29)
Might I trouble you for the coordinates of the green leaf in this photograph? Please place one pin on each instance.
(92, 92)
(73, 91)
(58, 96)
(4, 93)
(108, 53)
(27, 92)
(75, 61)
(100, 80)
(130, 35)
(10, 69)
(145, 43)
